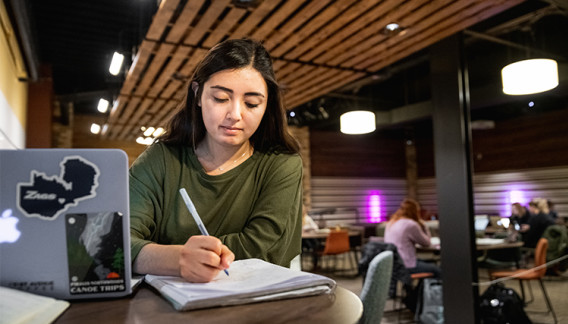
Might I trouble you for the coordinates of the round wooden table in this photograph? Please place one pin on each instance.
(148, 306)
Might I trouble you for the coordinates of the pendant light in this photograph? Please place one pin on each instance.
(530, 76)
(357, 122)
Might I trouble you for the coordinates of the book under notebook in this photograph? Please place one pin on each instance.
(250, 281)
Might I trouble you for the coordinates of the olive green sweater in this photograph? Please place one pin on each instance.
(254, 209)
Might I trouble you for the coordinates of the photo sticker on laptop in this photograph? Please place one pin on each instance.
(47, 197)
(95, 253)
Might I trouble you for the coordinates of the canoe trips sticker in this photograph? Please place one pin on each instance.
(95, 253)
(47, 197)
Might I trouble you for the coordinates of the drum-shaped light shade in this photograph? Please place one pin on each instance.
(357, 122)
(529, 76)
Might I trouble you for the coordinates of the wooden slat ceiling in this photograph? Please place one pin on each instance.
(317, 46)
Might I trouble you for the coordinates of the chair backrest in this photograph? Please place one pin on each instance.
(337, 242)
(540, 255)
(557, 236)
(375, 288)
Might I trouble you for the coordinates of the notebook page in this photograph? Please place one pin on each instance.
(19, 307)
(249, 280)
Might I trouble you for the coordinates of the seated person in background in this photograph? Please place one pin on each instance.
(552, 210)
(310, 245)
(538, 222)
(519, 214)
(404, 230)
(308, 223)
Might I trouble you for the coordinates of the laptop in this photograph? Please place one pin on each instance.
(64, 223)
(480, 224)
(499, 222)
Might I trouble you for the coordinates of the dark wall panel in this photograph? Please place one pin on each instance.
(537, 140)
(379, 154)
(532, 141)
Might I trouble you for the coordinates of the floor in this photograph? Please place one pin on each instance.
(556, 286)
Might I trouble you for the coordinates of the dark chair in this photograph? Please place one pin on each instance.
(536, 273)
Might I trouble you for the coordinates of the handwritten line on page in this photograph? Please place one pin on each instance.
(251, 280)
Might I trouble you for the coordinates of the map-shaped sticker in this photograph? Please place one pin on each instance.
(48, 196)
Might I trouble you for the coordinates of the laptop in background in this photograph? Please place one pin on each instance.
(480, 224)
(64, 223)
(499, 222)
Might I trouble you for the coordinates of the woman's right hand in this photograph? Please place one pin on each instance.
(202, 257)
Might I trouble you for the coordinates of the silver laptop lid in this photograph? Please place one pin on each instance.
(481, 222)
(64, 223)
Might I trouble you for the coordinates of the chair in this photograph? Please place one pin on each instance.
(557, 236)
(529, 274)
(336, 243)
(376, 287)
(416, 279)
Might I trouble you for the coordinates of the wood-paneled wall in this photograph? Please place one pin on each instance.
(492, 194)
(492, 190)
(527, 154)
(380, 154)
(302, 135)
(350, 197)
(535, 140)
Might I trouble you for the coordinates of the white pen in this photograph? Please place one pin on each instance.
(193, 212)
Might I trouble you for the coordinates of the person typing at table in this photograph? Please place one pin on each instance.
(405, 229)
(228, 145)
(519, 214)
(540, 219)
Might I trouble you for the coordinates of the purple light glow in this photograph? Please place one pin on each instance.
(515, 196)
(374, 207)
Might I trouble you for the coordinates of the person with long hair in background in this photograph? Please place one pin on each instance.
(405, 229)
(538, 222)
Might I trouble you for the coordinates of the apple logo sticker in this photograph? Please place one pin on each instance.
(9, 233)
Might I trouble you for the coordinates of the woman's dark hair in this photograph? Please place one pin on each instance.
(186, 126)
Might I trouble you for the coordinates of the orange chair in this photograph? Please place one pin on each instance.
(336, 243)
(529, 274)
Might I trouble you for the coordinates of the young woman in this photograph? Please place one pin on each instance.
(404, 230)
(229, 147)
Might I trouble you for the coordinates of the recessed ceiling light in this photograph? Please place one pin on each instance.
(392, 29)
(392, 26)
(95, 128)
(149, 131)
(103, 106)
(116, 63)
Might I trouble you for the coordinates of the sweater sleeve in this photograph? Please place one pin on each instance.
(146, 176)
(273, 231)
(419, 236)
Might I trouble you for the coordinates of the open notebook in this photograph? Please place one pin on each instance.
(22, 307)
(249, 281)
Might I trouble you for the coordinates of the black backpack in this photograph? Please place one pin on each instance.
(430, 305)
(501, 305)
